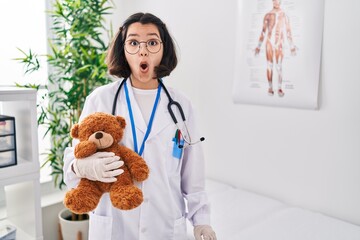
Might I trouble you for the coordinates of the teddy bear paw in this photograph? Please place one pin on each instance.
(126, 197)
(79, 204)
(140, 173)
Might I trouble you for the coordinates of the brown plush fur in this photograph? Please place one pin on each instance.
(123, 194)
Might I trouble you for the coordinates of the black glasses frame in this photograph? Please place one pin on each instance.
(146, 44)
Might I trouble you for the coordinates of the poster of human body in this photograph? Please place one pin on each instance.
(278, 52)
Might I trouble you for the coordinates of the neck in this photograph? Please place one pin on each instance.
(151, 84)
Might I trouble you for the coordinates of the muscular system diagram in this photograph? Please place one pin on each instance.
(275, 26)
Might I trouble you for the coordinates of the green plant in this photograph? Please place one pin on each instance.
(76, 67)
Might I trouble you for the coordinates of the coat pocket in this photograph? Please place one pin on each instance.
(100, 227)
(174, 156)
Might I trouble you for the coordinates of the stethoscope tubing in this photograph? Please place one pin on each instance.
(116, 96)
(171, 102)
(171, 112)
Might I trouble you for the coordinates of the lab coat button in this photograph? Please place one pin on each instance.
(146, 200)
(143, 230)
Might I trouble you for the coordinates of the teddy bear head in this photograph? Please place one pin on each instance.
(102, 129)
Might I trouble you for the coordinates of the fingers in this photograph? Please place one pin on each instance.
(113, 173)
(209, 237)
(112, 170)
(109, 167)
(113, 165)
(197, 235)
(108, 180)
(107, 160)
(110, 176)
(204, 232)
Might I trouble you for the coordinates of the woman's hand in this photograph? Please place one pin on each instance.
(204, 231)
(101, 166)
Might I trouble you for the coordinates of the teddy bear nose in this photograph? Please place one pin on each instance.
(98, 135)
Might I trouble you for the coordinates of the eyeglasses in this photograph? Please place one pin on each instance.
(133, 46)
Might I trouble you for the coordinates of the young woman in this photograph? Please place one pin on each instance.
(141, 54)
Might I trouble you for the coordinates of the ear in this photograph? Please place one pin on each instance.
(75, 131)
(121, 120)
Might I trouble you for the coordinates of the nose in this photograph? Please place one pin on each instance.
(98, 135)
(143, 50)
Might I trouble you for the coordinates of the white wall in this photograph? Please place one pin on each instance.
(303, 157)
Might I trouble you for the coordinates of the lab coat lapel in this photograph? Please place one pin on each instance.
(162, 118)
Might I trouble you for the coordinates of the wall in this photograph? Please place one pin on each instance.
(303, 157)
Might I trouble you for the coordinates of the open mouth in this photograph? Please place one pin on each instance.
(144, 66)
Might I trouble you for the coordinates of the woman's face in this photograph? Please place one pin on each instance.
(142, 64)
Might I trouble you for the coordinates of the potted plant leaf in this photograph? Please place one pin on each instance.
(76, 67)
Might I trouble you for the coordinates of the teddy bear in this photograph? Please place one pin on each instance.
(102, 132)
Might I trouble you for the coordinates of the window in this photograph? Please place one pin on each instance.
(23, 25)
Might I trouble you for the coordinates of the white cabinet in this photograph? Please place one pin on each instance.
(22, 181)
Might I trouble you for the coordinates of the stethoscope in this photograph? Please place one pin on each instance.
(185, 137)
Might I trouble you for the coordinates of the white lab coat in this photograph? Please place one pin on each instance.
(163, 213)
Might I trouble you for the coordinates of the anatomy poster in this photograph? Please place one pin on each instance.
(278, 52)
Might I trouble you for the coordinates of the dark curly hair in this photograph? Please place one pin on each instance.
(116, 61)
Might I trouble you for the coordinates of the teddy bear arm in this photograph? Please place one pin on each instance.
(85, 149)
(136, 164)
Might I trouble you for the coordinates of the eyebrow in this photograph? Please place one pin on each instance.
(137, 35)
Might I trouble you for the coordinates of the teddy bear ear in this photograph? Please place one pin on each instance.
(75, 131)
(121, 120)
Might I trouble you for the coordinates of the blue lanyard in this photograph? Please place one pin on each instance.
(133, 122)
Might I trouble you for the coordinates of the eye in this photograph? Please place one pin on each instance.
(153, 42)
(133, 43)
